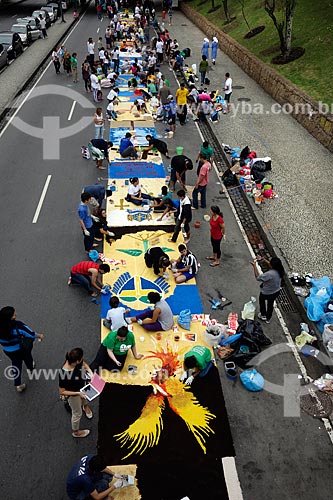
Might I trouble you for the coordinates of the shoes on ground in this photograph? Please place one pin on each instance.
(83, 434)
(21, 388)
(263, 318)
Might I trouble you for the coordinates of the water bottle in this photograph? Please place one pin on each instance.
(183, 231)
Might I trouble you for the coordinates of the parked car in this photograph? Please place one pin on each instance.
(4, 59)
(24, 31)
(12, 42)
(32, 21)
(37, 13)
(51, 12)
(64, 5)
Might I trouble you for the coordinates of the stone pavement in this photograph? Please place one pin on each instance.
(300, 218)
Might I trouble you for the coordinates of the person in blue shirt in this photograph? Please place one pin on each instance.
(86, 222)
(126, 147)
(16, 340)
(89, 478)
(97, 191)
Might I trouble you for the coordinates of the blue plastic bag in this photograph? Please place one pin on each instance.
(326, 319)
(184, 319)
(93, 254)
(252, 380)
(323, 282)
(314, 308)
(230, 340)
(319, 296)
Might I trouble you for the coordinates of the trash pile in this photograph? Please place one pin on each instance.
(250, 172)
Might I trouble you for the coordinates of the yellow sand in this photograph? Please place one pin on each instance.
(129, 493)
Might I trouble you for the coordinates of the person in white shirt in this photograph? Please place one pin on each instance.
(42, 26)
(91, 52)
(159, 50)
(101, 55)
(115, 59)
(113, 94)
(151, 64)
(115, 317)
(95, 85)
(227, 91)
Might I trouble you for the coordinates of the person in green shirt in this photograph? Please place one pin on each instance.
(203, 66)
(74, 67)
(197, 362)
(113, 350)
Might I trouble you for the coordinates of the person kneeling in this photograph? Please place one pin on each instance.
(113, 351)
(197, 362)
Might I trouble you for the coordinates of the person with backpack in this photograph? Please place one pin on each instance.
(185, 267)
(16, 340)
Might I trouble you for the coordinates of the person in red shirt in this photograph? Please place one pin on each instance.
(217, 231)
(86, 274)
(201, 184)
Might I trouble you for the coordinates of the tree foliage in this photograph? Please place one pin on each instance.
(284, 25)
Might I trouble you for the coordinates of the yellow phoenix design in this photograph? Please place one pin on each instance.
(145, 432)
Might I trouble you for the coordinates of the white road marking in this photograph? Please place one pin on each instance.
(231, 479)
(41, 199)
(97, 30)
(71, 111)
(19, 107)
(284, 327)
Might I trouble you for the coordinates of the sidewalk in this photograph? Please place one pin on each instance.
(300, 218)
(23, 69)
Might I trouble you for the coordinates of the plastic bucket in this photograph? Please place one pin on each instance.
(179, 150)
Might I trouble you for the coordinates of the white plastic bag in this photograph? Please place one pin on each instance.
(249, 309)
(327, 334)
(214, 333)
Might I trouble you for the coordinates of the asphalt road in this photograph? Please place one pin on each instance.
(276, 457)
(10, 12)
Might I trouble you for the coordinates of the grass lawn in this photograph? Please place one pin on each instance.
(312, 30)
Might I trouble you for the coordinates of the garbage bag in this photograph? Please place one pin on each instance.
(252, 380)
(323, 282)
(253, 330)
(326, 319)
(244, 350)
(328, 334)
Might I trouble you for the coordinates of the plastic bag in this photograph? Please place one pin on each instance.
(326, 319)
(252, 380)
(253, 330)
(249, 309)
(323, 282)
(214, 334)
(328, 334)
(184, 319)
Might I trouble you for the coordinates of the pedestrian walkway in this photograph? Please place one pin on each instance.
(300, 218)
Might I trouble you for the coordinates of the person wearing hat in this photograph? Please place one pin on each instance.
(214, 47)
(171, 109)
(157, 259)
(205, 47)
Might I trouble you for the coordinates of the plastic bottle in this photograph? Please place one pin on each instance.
(249, 309)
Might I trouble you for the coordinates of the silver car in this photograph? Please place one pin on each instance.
(51, 13)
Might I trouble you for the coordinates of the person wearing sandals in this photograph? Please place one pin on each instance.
(71, 380)
(217, 232)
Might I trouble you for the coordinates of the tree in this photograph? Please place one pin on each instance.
(285, 26)
(226, 11)
(242, 2)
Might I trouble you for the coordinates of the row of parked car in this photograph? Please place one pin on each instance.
(26, 30)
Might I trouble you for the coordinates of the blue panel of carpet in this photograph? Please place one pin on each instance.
(143, 169)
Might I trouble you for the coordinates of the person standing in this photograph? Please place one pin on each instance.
(86, 273)
(74, 67)
(184, 217)
(214, 47)
(203, 66)
(91, 52)
(208, 152)
(71, 380)
(94, 83)
(115, 55)
(67, 63)
(181, 100)
(217, 232)
(227, 91)
(171, 110)
(16, 340)
(55, 60)
(99, 123)
(202, 182)
(270, 284)
(86, 222)
(159, 50)
(85, 68)
(205, 48)
(42, 26)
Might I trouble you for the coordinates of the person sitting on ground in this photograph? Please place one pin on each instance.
(115, 317)
(161, 146)
(197, 362)
(127, 148)
(157, 259)
(185, 267)
(113, 351)
(86, 273)
(159, 318)
(160, 201)
(180, 164)
(101, 227)
(134, 194)
(90, 478)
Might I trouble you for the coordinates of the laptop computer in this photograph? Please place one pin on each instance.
(94, 388)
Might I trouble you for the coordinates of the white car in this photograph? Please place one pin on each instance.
(22, 30)
(52, 13)
(33, 31)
